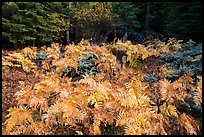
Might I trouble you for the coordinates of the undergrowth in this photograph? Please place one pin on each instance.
(95, 90)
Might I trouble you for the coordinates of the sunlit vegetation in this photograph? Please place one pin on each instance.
(117, 88)
(102, 68)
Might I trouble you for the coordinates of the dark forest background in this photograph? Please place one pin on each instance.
(41, 23)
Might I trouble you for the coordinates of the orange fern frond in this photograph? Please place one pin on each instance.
(17, 120)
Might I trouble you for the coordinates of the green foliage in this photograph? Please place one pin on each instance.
(30, 22)
(171, 73)
(156, 16)
(86, 65)
(58, 17)
(151, 78)
(41, 56)
(12, 25)
(187, 59)
(128, 13)
(38, 23)
(192, 107)
(134, 63)
(181, 18)
(92, 19)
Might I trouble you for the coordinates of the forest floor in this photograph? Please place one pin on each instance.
(12, 76)
(10, 85)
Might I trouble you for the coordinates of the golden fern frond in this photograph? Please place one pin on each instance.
(100, 116)
(39, 128)
(29, 52)
(65, 112)
(164, 88)
(136, 86)
(169, 110)
(28, 97)
(87, 80)
(56, 47)
(17, 120)
(125, 99)
(23, 96)
(28, 65)
(186, 80)
(134, 63)
(16, 59)
(189, 123)
(136, 121)
(52, 53)
(133, 96)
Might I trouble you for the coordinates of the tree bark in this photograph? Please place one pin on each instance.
(68, 29)
(67, 37)
(68, 32)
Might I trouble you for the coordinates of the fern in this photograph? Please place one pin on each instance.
(106, 95)
(19, 60)
(18, 120)
(188, 123)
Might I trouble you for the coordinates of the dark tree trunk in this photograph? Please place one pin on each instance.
(34, 39)
(68, 32)
(67, 37)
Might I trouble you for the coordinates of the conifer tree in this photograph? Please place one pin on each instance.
(184, 20)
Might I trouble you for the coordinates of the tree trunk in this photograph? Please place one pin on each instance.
(33, 42)
(34, 39)
(67, 37)
(68, 29)
(15, 43)
(68, 32)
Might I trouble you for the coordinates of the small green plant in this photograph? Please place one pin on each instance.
(86, 65)
(42, 56)
(151, 78)
(135, 63)
(170, 73)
